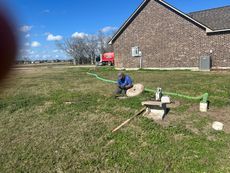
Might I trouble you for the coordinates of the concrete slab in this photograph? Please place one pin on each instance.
(155, 114)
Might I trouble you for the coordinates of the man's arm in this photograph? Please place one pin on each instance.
(128, 83)
(120, 84)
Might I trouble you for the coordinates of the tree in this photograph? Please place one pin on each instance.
(76, 48)
(92, 47)
(103, 40)
(85, 49)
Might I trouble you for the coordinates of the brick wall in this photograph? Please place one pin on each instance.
(168, 40)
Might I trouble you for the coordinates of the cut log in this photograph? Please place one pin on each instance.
(128, 120)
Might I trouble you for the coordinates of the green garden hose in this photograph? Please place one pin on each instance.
(100, 78)
(204, 97)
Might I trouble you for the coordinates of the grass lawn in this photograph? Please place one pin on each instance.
(41, 132)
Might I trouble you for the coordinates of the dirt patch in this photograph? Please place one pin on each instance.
(178, 137)
(192, 128)
(26, 70)
(189, 118)
(44, 107)
(221, 115)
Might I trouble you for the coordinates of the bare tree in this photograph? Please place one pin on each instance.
(103, 40)
(92, 47)
(75, 48)
(84, 50)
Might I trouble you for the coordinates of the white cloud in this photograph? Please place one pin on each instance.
(26, 28)
(27, 35)
(35, 44)
(108, 29)
(79, 35)
(51, 37)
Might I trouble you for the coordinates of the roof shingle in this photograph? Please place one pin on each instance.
(216, 19)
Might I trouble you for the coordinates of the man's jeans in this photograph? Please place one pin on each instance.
(122, 91)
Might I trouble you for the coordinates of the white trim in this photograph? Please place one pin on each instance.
(155, 68)
(220, 30)
(128, 20)
(128, 69)
(221, 68)
(208, 30)
(132, 69)
(205, 70)
(173, 68)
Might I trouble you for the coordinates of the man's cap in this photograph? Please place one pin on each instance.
(120, 75)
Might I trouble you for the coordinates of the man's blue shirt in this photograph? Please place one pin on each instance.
(125, 82)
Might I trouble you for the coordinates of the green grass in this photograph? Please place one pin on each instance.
(39, 132)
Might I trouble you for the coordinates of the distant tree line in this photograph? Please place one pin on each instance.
(43, 61)
(85, 49)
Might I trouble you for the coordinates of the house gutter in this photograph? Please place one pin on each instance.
(218, 31)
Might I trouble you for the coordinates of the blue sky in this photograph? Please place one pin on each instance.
(41, 22)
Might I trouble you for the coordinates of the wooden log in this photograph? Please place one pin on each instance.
(128, 120)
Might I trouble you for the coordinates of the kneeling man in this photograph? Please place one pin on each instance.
(124, 83)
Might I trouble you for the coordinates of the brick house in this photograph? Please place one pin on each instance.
(159, 36)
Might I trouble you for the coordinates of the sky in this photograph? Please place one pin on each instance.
(41, 23)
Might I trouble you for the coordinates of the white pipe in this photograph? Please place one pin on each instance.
(140, 62)
(140, 53)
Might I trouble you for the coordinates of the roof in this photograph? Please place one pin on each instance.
(193, 20)
(216, 19)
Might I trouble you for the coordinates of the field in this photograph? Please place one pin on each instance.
(59, 119)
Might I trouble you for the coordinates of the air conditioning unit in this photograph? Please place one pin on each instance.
(205, 63)
(136, 52)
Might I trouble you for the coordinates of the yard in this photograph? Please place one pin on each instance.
(59, 119)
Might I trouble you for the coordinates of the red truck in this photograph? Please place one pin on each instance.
(106, 59)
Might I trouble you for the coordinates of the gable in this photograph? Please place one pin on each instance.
(168, 7)
(129, 21)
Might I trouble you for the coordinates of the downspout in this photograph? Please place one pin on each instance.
(141, 58)
(140, 62)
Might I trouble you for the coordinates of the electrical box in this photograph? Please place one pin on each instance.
(205, 63)
(136, 52)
